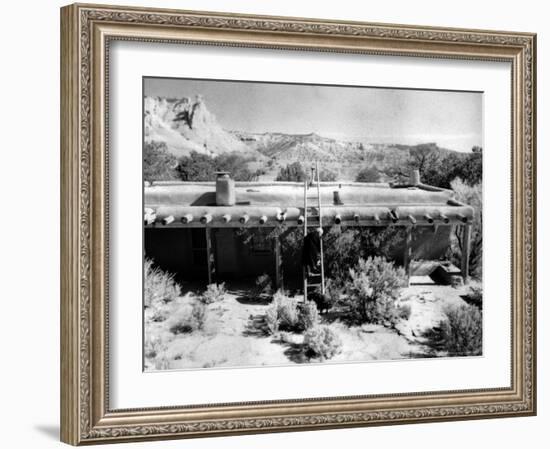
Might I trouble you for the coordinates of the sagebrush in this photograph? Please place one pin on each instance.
(287, 314)
(372, 292)
(462, 330)
(189, 318)
(213, 293)
(159, 286)
(322, 341)
(308, 315)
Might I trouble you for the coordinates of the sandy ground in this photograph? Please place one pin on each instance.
(234, 333)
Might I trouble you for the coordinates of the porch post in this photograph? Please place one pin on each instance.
(465, 263)
(407, 254)
(210, 255)
(278, 263)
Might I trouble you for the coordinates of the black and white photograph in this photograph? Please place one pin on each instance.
(290, 224)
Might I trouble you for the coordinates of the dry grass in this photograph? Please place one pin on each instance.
(159, 286)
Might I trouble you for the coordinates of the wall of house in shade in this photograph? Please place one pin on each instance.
(182, 251)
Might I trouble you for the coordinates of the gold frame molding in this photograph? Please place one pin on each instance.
(86, 31)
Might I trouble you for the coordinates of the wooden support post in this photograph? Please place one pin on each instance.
(210, 260)
(321, 256)
(278, 263)
(465, 263)
(407, 254)
(304, 270)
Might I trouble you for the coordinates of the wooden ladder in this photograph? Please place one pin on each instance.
(313, 281)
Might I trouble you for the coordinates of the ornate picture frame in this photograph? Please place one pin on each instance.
(86, 34)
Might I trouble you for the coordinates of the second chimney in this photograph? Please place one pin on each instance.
(414, 177)
(225, 189)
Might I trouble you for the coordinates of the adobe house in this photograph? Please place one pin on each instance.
(192, 228)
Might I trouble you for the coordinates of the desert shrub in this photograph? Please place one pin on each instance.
(237, 165)
(158, 163)
(308, 315)
(439, 167)
(462, 330)
(295, 172)
(327, 175)
(198, 315)
(292, 172)
(322, 341)
(373, 290)
(263, 285)
(213, 293)
(201, 167)
(282, 313)
(342, 250)
(368, 174)
(286, 314)
(159, 286)
(471, 195)
(189, 318)
(333, 292)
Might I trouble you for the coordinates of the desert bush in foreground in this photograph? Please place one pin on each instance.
(286, 314)
(462, 330)
(333, 292)
(189, 318)
(287, 311)
(308, 315)
(159, 286)
(373, 291)
(322, 341)
(213, 293)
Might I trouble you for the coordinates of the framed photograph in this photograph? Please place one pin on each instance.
(279, 224)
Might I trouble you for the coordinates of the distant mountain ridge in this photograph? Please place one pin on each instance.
(186, 125)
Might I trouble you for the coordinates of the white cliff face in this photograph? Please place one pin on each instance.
(187, 125)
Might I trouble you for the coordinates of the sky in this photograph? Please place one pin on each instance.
(452, 119)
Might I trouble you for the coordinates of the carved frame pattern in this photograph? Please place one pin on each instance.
(86, 417)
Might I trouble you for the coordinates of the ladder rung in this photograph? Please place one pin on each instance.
(313, 285)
